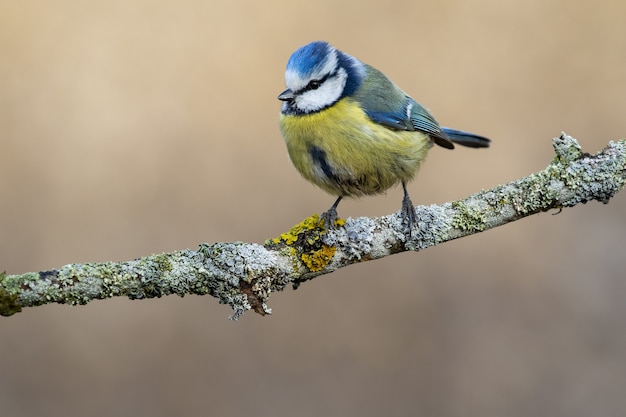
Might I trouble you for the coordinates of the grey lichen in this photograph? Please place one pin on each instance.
(595, 176)
(355, 239)
(242, 267)
(566, 148)
(433, 227)
(536, 192)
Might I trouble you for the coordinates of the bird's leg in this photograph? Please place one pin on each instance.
(408, 211)
(330, 215)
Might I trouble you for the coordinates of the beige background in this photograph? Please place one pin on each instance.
(131, 127)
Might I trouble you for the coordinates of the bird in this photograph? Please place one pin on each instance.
(352, 132)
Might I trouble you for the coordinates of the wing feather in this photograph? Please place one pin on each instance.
(386, 104)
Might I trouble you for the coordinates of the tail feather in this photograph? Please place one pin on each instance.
(466, 138)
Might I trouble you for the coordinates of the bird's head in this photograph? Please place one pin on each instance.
(318, 76)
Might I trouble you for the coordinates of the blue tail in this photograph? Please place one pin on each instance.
(466, 139)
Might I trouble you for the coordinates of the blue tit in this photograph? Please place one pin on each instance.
(352, 132)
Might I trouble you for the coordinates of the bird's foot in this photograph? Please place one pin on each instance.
(409, 218)
(329, 217)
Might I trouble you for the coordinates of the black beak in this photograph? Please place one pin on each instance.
(286, 95)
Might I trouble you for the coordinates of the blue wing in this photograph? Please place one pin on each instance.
(412, 116)
(421, 120)
(386, 104)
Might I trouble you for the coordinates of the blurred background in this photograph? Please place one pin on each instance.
(132, 127)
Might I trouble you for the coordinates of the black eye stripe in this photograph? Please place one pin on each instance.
(315, 84)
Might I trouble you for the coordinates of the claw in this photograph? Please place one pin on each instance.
(330, 215)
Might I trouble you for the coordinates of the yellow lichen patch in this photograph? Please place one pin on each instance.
(339, 222)
(317, 260)
(310, 223)
(290, 237)
(305, 242)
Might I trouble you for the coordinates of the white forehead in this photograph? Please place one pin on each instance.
(298, 77)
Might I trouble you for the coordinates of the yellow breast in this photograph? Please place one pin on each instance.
(343, 152)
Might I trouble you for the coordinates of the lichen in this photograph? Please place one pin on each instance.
(357, 244)
(566, 149)
(319, 259)
(303, 243)
(538, 192)
(9, 301)
(310, 223)
(468, 218)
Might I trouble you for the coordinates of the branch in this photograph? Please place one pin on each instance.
(243, 275)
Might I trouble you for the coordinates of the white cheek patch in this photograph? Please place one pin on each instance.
(327, 94)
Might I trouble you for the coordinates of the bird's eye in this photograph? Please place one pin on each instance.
(313, 85)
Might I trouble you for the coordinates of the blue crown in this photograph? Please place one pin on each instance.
(309, 58)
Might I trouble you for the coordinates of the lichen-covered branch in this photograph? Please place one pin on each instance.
(243, 275)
